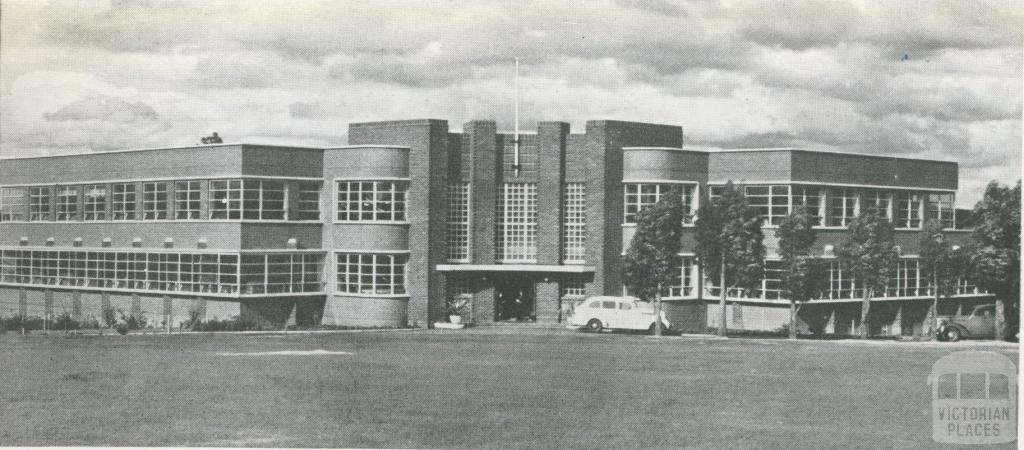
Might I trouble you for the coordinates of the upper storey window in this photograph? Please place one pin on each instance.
(12, 204)
(813, 200)
(843, 207)
(458, 222)
(880, 202)
(308, 207)
(362, 201)
(123, 202)
(771, 202)
(909, 210)
(95, 202)
(67, 203)
(247, 199)
(39, 204)
(187, 203)
(154, 201)
(517, 223)
(574, 238)
(941, 209)
(639, 196)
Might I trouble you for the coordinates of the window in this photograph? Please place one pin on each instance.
(608, 305)
(153, 271)
(263, 200)
(771, 202)
(941, 209)
(12, 204)
(67, 203)
(123, 202)
(154, 201)
(280, 273)
(573, 288)
(841, 284)
(842, 207)
(811, 199)
(880, 202)
(906, 280)
(371, 274)
(625, 306)
(517, 226)
(95, 204)
(771, 285)
(574, 239)
(458, 222)
(187, 202)
(226, 199)
(909, 206)
(371, 201)
(639, 196)
(684, 284)
(308, 207)
(39, 203)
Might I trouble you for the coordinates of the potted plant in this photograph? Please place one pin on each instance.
(457, 309)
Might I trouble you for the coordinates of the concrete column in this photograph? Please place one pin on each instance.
(551, 139)
(547, 301)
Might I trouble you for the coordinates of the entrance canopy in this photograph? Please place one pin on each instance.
(546, 268)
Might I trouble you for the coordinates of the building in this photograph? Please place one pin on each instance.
(382, 231)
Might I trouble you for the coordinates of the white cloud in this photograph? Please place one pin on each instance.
(933, 79)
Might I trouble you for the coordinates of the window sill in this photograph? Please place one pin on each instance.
(371, 222)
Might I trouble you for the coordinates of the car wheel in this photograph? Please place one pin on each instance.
(594, 325)
(953, 335)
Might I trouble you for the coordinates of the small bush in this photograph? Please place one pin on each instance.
(65, 322)
(232, 324)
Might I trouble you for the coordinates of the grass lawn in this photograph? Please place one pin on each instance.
(491, 387)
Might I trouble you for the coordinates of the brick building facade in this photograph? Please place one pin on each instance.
(383, 231)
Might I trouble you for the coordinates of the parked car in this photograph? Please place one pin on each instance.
(619, 313)
(980, 323)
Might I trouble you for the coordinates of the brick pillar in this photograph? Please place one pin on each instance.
(136, 306)
(22, 302)
(547, 301)
(483, 305)
(76, 305)
(551, 139)
(737, 316)
(485, 178)
(48, 304)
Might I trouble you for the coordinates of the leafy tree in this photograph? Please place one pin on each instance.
(652, 261)
(997, 255)
(869, 256)
(730, 244)
(944, 264)
(802, 275)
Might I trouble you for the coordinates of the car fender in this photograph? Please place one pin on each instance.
(962, 329)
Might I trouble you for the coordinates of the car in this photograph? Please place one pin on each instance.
(617, 313)
(980, 323)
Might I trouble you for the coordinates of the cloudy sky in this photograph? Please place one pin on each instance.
(934, 80)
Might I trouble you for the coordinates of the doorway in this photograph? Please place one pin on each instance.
(514, 301)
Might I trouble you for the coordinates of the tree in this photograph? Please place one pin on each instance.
(869, 256)
(652, 261)
(997, 255)
(944, 264)
(730, 245)
(802, 277)
(109, 316)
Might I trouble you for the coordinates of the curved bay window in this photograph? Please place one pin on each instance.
(370, 201)
(371, 273)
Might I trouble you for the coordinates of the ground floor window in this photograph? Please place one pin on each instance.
(371, 273)
(280, 273)
(684, 284)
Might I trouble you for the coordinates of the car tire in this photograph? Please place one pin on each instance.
(953, 335)
(594, 325)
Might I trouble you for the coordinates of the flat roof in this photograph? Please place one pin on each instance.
(148, 149)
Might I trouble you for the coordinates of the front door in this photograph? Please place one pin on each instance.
(514, 301)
